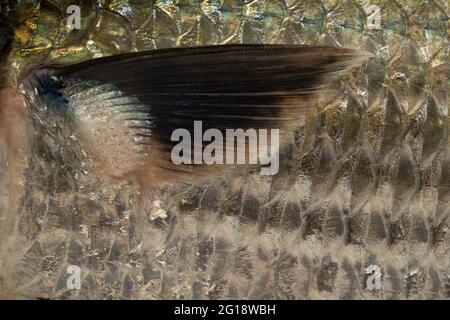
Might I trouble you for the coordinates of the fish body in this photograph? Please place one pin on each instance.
(363, 183)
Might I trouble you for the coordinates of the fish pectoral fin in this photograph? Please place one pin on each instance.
(141, 99)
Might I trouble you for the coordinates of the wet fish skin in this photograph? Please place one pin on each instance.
(383, 200)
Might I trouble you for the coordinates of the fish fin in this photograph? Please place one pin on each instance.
(224, 87)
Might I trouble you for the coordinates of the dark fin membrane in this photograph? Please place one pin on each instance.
(224, 87)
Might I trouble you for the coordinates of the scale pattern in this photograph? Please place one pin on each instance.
(364, 183)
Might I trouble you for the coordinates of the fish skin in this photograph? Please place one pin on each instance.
(383, 200)
(111, 101)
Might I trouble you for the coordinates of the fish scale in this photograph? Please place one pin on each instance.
(365, 185)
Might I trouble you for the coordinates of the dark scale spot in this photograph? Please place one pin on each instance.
(220, 259)
(185, 254)
(232, 204)
(128, 286)
(326, 275)
(419, 230)
(198, 290)
(116, 251)
(439, 233)
(88, 287)
(150, 273)
(313, 222)
(272, 215)
(291, 219)
(376, 230)
(397, 232)
(75, 253)
(350, 291)
(434, 284)
(205, 247)
(210, 198)
(395, 282)
(447, 285)
(217, 289)
(250, 209)
(190, 199)
(415, 282)
(111, 274)
(244, 263)
(285, 275)
(333, 225)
